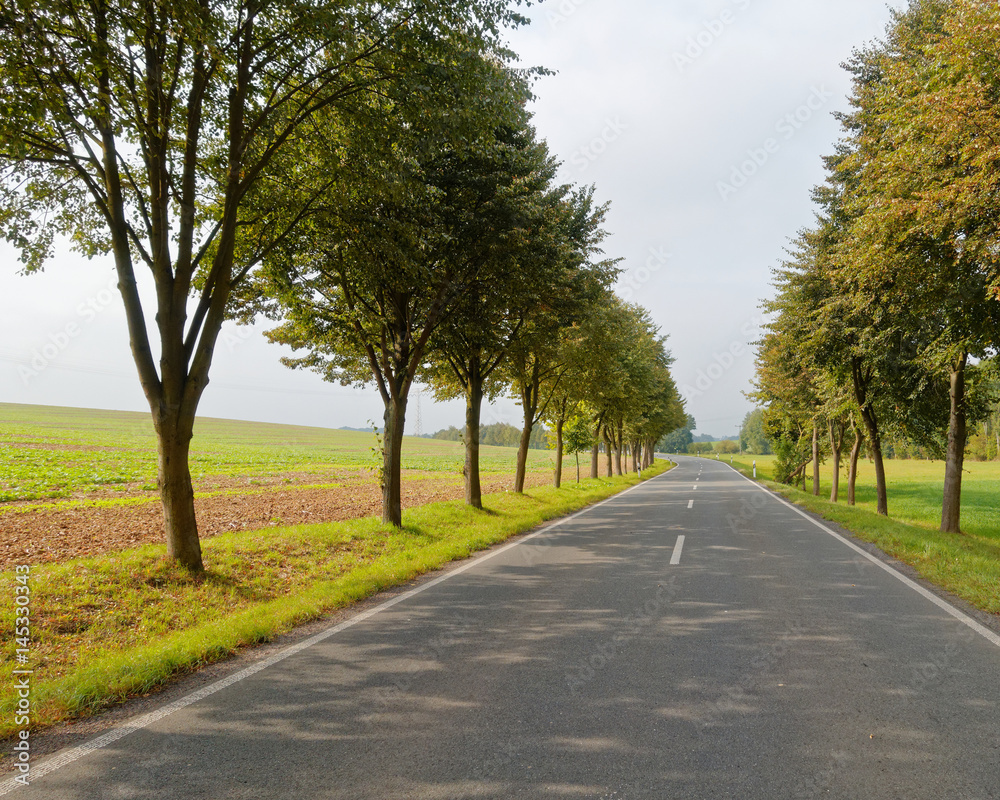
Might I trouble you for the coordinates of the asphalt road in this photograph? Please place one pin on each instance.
(759, 658)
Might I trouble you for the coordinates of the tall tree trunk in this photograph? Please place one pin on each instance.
(951, 508)
(815, 459)
(635, 457)
(176, 491)
(577, 466)
(559, 450)
(861, 381)
(522, 452)
(852, 478)
(871, 423)
(619, 444)
(595, 459)
(529, 404)
(473, 415)
(608, 448)
(836, 445)
(392, 457)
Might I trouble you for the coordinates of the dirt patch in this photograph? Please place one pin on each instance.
(57, 447)
(146, 490)
(59, 534)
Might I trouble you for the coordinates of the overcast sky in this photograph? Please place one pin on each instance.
(703, 122)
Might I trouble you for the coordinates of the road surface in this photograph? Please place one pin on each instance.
(694, 637)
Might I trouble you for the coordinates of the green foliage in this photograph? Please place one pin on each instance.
(578, 435)
(378, 456)
(451, 434)
(791, 454)
(752, 436)
(894, 292)
(499, 434)
(678, 440)
(177, 136)
(726, 447)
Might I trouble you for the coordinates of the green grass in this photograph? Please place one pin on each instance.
(51, 453)
(966, 564)
(104, 629)
(915, 490)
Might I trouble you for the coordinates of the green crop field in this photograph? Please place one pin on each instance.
(915, 490)
(50, 452)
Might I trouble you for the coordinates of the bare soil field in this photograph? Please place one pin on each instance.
(37, 534)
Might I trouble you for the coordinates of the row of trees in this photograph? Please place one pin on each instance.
(753, 437)
(364, 174)
(499, 434)
(887, 317)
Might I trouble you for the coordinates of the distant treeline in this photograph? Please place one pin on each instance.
(500, 435)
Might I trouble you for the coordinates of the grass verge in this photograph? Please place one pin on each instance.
(105, 629)
(965, 564)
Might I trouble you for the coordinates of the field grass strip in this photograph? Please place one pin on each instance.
(106, 629)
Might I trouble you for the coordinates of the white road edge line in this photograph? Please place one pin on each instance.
(944, 605)
(675, 559)
(67, 757)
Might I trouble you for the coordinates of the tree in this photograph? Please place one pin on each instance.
(380, 268)
(144, 130)
(677, 440)
(492, 311)
(918, 204)
(578, 437)
(538, 357)
(752, 438)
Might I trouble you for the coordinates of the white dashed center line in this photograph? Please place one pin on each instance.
(675, 559)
